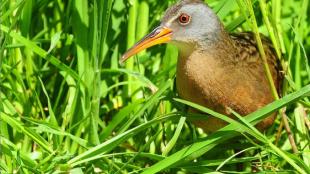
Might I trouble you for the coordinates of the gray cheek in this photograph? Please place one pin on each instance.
(183, 33)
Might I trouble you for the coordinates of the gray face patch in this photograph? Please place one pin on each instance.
(204, 24)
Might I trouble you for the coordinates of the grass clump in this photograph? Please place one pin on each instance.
(67, 105)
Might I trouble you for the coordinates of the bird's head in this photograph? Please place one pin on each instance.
(186, 23)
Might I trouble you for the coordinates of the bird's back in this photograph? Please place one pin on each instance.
(247, 41)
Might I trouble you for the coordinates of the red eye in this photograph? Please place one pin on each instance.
(184, 19)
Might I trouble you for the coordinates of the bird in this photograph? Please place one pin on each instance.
(215, 68)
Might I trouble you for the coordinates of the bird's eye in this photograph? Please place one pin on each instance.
(184, 19)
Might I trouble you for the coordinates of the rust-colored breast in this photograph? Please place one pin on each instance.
(225, 77)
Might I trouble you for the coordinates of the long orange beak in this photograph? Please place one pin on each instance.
(157, 36)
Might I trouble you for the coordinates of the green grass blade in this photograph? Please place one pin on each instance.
(199, 148)
(42, 53)
(107, 146)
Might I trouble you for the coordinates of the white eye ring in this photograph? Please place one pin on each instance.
(184, 19)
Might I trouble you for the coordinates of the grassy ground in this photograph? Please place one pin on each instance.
(66, 104)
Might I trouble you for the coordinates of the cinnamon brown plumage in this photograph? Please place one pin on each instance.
(230, 74)
(215, 69)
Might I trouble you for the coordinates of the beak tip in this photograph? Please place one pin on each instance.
(122, 60)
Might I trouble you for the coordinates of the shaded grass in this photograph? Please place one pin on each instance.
(67, 105)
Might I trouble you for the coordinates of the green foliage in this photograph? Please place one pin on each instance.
(67, 105)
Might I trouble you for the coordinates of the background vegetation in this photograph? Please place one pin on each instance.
(67, 105)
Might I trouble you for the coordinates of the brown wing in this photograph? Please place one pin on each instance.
(246, 40)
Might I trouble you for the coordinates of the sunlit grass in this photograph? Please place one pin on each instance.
(68, 105)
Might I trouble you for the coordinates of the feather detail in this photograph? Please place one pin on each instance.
(248, 51)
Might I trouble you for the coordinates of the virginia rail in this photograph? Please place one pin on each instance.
(215, 69)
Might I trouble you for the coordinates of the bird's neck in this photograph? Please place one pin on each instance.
(186, 49)
(202, 66)
(213, 44)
